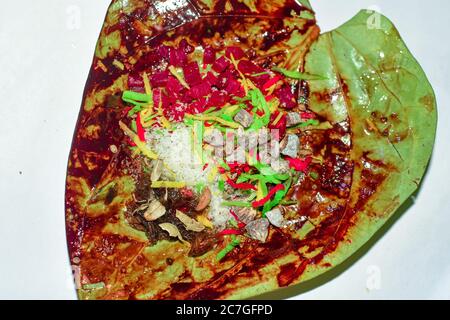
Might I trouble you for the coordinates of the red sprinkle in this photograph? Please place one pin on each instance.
(242, 186)
(307, 115)
(260, 203)
(140, 129)
(126, 110)
(299, 164)
(271, 97)
(131, 142)
(227, 232)
(271, 82)
(239, 168)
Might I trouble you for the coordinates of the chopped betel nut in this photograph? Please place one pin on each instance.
(154, 211)
(214, 138)
(293, 119)
(244, 118)
(275, 217)
(245, 215)
(258, 229)
(280, 166)
(290, 145)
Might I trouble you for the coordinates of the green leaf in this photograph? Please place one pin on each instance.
(259, 102)
(296, 74)
(236, 204)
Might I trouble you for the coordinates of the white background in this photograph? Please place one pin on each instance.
(44, 63)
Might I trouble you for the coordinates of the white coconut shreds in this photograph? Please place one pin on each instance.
(175, 148)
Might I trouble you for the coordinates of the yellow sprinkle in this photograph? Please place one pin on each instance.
(213, 174)
(148, 90)
(140, 144)
(216, 119)
(135, 151)
(144, 115)
(168, 169)
(148, 124)
(168, 184)
(198, 140)
(203, 220)
(230, 109)
(177, 75)
(273, 104)
(243, 78)
(148, 87)
(259, 191)
(102, 66)
(371, 125)
(118, 64)
(164, 122)
(278, 118)
(272, 88)
(251, 84)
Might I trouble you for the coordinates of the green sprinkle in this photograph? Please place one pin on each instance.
(288, 202)
(264, 188)
(227, 117)
(199, 187)
(239, 99)
(221, 185)
(199, 130)
(133, 125)
(135, 110)
(303, 100)
(308, 123)
(146, 169)
(283, 177)
(314, 175)
(150, 117)
(257, 124)
(244, 177)
(236, 204)
(230, 247)
(278, 196)
(265, 169)
(209, 110)
(188, 122)
(297, 75)
(136, 98)
(252, 197)
(224, 165)
(259, 102)
(233, 223)
(94, 286)
(259, 74)
(275, 179)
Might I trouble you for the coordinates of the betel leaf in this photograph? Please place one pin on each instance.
(367, 80)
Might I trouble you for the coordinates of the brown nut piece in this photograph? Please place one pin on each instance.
(204, 200)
